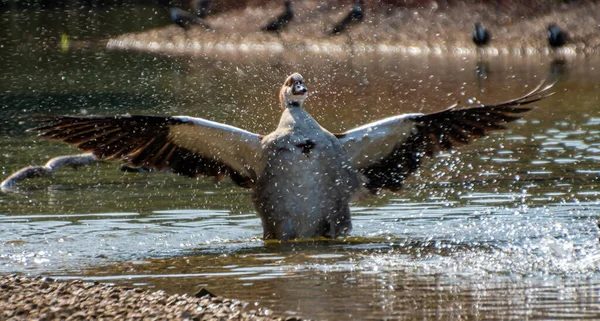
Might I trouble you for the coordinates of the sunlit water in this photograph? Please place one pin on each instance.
(505, 228)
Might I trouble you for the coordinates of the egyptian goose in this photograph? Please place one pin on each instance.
(481, 36)
(356, 15)
(282, 21)
(556, 36)
(303, 177)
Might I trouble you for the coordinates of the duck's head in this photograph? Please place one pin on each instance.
(293, 92)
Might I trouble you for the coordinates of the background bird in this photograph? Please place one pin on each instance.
(481, 36)
(282, 20)
(185, 19)
(356, 15)
(556, 36)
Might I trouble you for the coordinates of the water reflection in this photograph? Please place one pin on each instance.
(558, 69)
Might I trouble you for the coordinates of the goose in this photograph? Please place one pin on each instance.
(481, 36)
(556, 36)
(302, 176)
(185, 19)
(355, 15)
(282, 21)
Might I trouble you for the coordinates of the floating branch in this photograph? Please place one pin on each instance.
(50, 167)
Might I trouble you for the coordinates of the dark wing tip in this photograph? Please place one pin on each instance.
(52, 122)
(538, 93)
(459, 125)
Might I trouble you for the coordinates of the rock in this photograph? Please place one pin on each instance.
(203, 292)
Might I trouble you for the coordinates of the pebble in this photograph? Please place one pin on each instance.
(42, 298)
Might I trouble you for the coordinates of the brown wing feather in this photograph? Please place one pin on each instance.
(142, 141)
(442, 131)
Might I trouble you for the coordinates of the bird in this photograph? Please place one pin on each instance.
(282, 21)
(356, 15)
(302, 176)
(185, 19)
(481, 36)
(201, 8)
(556, 36)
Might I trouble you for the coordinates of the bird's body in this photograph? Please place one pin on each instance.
(185, 19)
(315, 181)
(356, 15)
(303, 177)
(556, 36)
(282, 21)
(481, 36)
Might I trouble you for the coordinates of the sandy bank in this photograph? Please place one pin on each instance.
(517, 29)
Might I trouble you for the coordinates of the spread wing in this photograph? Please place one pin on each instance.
(389, 150)
(186, 145)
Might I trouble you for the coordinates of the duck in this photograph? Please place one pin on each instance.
(302, 176)
(556, 36)
(356, 15)
(481, 36)
(282, 21)
(185, 19)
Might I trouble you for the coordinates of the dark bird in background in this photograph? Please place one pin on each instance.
(282, 21)
(356, 15)
(481, 37)
(185, 19)
(200, 8)
(556, 36)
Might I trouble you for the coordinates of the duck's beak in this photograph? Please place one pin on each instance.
(299, 89)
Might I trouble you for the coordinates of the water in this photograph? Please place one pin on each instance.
(505, 228)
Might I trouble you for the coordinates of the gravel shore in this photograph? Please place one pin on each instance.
(40, 298)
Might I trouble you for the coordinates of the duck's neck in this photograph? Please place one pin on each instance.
(294, 116)
(291, 104)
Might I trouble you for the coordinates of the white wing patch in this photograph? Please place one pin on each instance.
(368, 144)
(238, 148)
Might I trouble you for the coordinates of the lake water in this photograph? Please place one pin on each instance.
(505, 228)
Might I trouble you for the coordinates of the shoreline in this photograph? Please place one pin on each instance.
(519, 30)
(42, 298)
